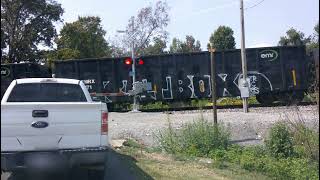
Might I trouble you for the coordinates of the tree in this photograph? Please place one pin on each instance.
(158, 46)
(3, 45)
(222, 38)
(117, 51)
(293, 38)
(85, 36)
(315, 39)
(150, 23)
(190, 45)
(60, 54)
(175, 46)
(25, 25)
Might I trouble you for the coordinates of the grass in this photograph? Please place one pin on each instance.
(291, 152)
(160, 165)
(225, 101)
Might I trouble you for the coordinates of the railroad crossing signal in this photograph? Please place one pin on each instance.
(140, 62)
(128, 61)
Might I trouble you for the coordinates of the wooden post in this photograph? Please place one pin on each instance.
(213, 82)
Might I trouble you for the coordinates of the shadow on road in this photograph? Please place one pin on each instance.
(119, 167)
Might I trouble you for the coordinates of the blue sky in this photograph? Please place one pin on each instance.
(264, 24)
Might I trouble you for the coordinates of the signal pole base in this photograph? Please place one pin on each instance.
(245, 105)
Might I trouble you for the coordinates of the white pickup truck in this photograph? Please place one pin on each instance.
(52, 123)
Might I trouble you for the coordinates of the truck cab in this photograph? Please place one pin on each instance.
(52, 123)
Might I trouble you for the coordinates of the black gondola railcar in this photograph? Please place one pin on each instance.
(13, 71)
(276, 73)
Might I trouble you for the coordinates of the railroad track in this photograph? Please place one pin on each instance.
(210, 107)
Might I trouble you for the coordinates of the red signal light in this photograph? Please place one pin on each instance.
(141, 62)
(128, 61)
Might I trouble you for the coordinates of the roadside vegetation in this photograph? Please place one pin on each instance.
(200, 103)
(291, 150)
(158, 164)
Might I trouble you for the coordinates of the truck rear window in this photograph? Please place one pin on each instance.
(47, 92)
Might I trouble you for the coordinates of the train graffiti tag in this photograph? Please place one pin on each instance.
(197, 86)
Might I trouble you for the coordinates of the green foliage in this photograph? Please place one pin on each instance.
(84, 36)
(292, 168)
(121, 106)
(132, 143)
(4, 40)
(279, 159)
(199, 138)
(294, 38)
(155, 105)
(280, 142)
(314, 44)
(190, 45)
(25, 25)
(235, 101)
(200, 103)
(61, 54)
(306, 141)
(158, 47)
(222, 38)
(256, 158)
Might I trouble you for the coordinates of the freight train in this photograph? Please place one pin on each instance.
(13, 71)
(275, 73)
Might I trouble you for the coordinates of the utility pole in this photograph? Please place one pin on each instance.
(243, 56)
(135, 106)
(213, 82)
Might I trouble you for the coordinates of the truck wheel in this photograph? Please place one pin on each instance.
(265, 99)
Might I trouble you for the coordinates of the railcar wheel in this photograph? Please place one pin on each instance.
(265, 99)
(293, 98)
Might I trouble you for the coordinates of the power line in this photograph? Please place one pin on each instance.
(254, 5)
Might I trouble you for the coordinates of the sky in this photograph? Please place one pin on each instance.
(265, 20)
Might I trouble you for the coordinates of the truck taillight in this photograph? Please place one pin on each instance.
(104, 123)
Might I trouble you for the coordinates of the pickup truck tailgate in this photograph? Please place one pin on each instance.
(27, 126)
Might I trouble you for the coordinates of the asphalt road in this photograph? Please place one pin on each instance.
(118, 168)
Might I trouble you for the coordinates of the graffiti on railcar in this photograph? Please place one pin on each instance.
(193, 87)
(253, 76)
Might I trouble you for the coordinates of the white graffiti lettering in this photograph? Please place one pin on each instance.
(167, 92)
(191, 86)
(105, 84)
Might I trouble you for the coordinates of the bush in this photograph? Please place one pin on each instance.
(306, 142)
(305, 139)
(195, 139)
(291, 168)
(225, 101)
(280, 142)
(155, 105)
(257, 159)
(200, 103)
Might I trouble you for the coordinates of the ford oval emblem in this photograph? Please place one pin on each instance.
(40, 124)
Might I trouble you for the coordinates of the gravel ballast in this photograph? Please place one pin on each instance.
(246, 128)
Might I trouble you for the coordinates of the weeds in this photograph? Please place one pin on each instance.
(291, 151)
(305, 139)
(199, 138)
(280, 142)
